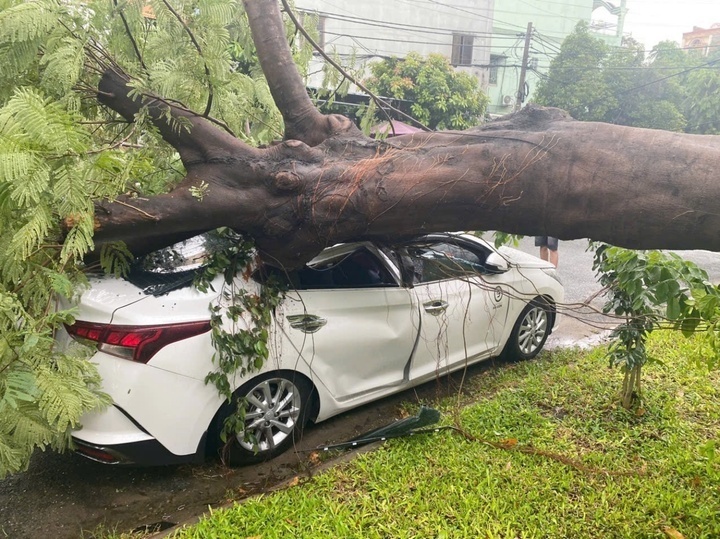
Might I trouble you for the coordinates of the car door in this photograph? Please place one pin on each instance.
(352, 323)
(461, 305)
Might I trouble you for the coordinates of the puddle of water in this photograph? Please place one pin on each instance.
(583, 344)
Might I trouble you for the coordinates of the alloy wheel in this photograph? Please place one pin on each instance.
(532, 330)
(272, 410)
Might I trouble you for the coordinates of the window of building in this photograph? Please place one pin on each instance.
(496, 61)
(462, 50)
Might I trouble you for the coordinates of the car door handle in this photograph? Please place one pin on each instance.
(307, 323)
(435, 307)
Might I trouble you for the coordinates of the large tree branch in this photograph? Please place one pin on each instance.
(302, 120)
(536, 173)
(195, 138)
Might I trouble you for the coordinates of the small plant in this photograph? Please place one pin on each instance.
(199, 191)
(652, 290)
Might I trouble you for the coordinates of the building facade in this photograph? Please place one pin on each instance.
(551, 23)
(703, 40)
(371, 30)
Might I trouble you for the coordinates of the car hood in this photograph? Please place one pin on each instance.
(523, 260)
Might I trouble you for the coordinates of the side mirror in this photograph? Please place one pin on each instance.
(496, 263)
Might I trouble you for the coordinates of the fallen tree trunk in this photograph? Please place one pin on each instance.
(535, 172)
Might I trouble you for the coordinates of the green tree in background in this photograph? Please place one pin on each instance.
(575, 81)
(643, 95)
(442, 97)
(669, 88)
(702, 102)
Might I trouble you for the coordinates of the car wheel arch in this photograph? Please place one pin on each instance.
(552, 309)
(212, 434)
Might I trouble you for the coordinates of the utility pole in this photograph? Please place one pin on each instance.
(523, 69)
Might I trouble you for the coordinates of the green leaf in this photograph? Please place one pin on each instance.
(688, 326)
(19, 386)
(708, 305)
(673, 308)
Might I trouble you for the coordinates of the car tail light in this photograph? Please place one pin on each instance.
(136, 343)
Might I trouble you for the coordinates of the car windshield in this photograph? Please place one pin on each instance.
(176, 266)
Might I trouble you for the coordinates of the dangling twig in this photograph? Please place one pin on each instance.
(130, 36)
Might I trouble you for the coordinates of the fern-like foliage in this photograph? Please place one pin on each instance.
(60, 152)
(24, 26)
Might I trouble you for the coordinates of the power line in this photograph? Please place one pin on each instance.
(545, 40)
(398, 26)
(550, 55)
(627, 68)
(469, 11)
(689, 70)
(414, 42)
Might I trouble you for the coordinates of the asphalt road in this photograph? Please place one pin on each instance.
(575, 266)
(580, 322)
(61, 496)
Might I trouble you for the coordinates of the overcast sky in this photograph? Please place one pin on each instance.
(652, 21)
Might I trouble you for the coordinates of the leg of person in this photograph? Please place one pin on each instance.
(552, 246)
(553, 258)
(542, 242)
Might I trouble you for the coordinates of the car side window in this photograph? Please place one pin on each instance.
(359, 269)
(440, 260)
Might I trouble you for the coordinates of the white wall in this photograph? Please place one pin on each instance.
(373, 29)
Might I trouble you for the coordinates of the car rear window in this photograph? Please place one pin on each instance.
(176, 266)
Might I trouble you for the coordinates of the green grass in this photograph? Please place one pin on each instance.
(593, 470)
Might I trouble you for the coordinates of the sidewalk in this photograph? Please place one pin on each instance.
(581, 325)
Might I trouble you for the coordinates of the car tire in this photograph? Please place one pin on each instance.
(277, 406)
(530, 331)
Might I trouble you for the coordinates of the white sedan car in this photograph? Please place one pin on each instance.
(361, 321)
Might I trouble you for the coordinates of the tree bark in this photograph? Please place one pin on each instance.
(537, 172)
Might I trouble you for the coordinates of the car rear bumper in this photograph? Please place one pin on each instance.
(111, 436)
(145, 453)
